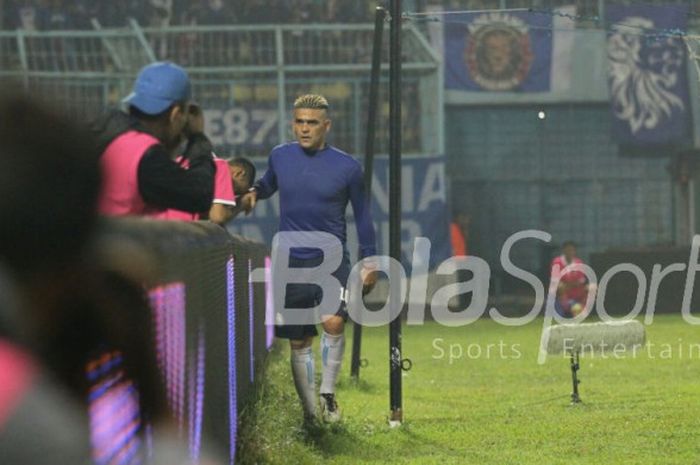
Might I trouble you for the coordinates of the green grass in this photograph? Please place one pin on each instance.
(493, 410)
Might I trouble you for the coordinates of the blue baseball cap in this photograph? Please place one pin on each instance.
(159, 86)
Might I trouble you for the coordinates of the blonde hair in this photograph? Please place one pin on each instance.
(312, 102)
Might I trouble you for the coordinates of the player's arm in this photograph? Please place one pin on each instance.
(365, 227)
(165, 184)
(262, 189)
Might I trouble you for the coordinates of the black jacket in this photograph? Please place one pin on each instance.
(162, 182)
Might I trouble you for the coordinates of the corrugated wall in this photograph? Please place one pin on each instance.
(511, 171)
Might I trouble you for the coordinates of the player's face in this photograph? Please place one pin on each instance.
(310, 128)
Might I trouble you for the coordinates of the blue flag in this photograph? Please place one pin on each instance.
(498, 51)
(648, 77)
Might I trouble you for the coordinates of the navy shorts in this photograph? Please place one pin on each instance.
(310, 295)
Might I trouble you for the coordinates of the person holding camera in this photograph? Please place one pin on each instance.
(140, 175)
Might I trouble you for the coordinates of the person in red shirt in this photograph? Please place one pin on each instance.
(232, 179)
(572, 287)
(459, 230)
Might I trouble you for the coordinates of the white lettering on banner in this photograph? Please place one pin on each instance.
(240, 126)
(212, 123)
(433, 186)
(236, 126)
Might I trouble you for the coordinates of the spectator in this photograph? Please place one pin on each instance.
(571, 286)
(141, 177)
(82, 12)
(242, 175)
(232, 180)
(191, 13)
(58, 16)
(116, 13)
(63, 14)
(161, 13)
(28, 16)
(216, 12)
(459, 235)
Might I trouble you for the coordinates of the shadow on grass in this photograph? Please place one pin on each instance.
(358, 385)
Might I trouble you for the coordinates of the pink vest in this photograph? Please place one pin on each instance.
(120, 188)
(17, 372)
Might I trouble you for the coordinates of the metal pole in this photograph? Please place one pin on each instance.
(281, 92)
(395, 356)
(2, 16)
(379, 16)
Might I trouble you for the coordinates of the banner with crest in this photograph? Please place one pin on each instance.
(498, 51)
(647, 75)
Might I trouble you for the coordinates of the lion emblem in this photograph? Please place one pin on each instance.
(642, 75)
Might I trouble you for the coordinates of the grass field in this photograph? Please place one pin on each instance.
(493, 409)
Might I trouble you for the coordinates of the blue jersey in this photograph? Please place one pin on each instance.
(315, 188)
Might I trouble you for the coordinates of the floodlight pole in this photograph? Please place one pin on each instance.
(395, 356)
(379, 16)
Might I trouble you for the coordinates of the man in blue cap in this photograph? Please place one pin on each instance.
(140, 176)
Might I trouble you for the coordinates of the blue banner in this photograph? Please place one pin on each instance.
(242, 126)
(498, 51)
(648, 77)
(424, 203)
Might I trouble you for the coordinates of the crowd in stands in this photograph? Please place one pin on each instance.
(78, 14)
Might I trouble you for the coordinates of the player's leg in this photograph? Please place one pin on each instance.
(333, 346)
(303, 373)
(332, 352)
(299, 296)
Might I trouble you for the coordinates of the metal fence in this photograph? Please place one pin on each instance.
(209, 325)
(244, 76)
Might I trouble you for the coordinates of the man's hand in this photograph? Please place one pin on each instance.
(369, 278)
(248, 201)
(195, 120)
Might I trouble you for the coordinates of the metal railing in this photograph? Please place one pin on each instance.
(244, 76)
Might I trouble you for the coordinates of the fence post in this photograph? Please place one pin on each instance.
(108, 45)
(281, 92)
(22, 50)
(141, 37)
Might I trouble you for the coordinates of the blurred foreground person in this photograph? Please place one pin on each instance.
(48, 192)
(65, 321)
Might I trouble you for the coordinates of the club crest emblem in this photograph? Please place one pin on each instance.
(498, 52)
